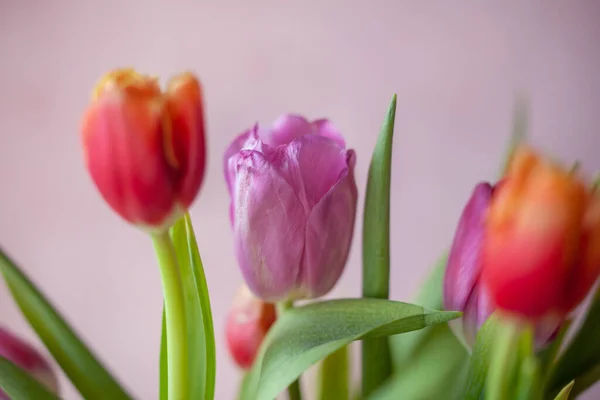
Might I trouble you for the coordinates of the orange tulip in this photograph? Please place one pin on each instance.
(541, 253)
(144, 148)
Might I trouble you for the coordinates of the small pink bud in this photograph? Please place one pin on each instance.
(248, 322)
(24, 356)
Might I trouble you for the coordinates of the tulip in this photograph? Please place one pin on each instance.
(541, 254)
(24, 356)
(144, 148)
(463, 288)
(293, 206)
(248, 322)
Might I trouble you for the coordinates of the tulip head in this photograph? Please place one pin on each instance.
(541, 254)
(145, 148)
(293, 206)
(24, 356)
(248, 322)
(463, 287)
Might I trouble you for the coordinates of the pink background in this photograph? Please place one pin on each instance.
(456, 68)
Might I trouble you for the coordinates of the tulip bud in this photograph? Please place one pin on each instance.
(144, 148)
(293, 206)
(541, 254)
(24, 356)
(247, 324)
(462, 288)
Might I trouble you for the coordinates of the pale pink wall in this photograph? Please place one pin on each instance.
(456, 68)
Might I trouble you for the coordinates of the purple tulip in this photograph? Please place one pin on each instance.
(463, 290)
(293, 206)
(24, 356)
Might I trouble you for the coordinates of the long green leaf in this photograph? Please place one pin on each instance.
(19, 385)
(307, 334)
(376, 357)
(201, 338)
(86, 373)
(582, 355)
(480, 360)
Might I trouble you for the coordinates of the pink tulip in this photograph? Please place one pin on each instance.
(293, 206)
(24, 356)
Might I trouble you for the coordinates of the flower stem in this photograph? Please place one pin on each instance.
(177, 340)
(294, 392)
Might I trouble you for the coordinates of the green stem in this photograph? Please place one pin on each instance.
(294, 391)
(177, 340)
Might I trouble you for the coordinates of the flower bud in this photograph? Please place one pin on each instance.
(144, 148)
(463, 288)
(248, 322)
(24, 356)
(541, 254)
(293, 206)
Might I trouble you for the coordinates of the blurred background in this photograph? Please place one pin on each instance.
(456, 66)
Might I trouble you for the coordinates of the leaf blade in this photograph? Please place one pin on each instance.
(19, 385)
(200, 328)
(78, 362)
(582, 355)
(305, 335)
(376, 356)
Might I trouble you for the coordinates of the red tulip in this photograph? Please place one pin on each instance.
(541, 252)
(144, 148)
(247, 324)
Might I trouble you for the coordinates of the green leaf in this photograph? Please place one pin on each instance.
(376, 357)
(334, 375)
(547, 355)
(528, 387)
(564, 393)
(164, 368)
(512, 347)
(86, 373)
(480, 360)
(438, 367)
(307, 334)
(582, 355)
(19, 385)
(405, 347)
(200, 328)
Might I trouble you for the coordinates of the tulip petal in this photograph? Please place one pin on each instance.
(269, 227)
(123, 142)
(329, 232)
(233, 149)
(312, 165)
(187, 139)
(285, 129)
(464, 260)
(327, 129)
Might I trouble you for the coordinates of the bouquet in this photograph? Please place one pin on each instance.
(509, 312)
